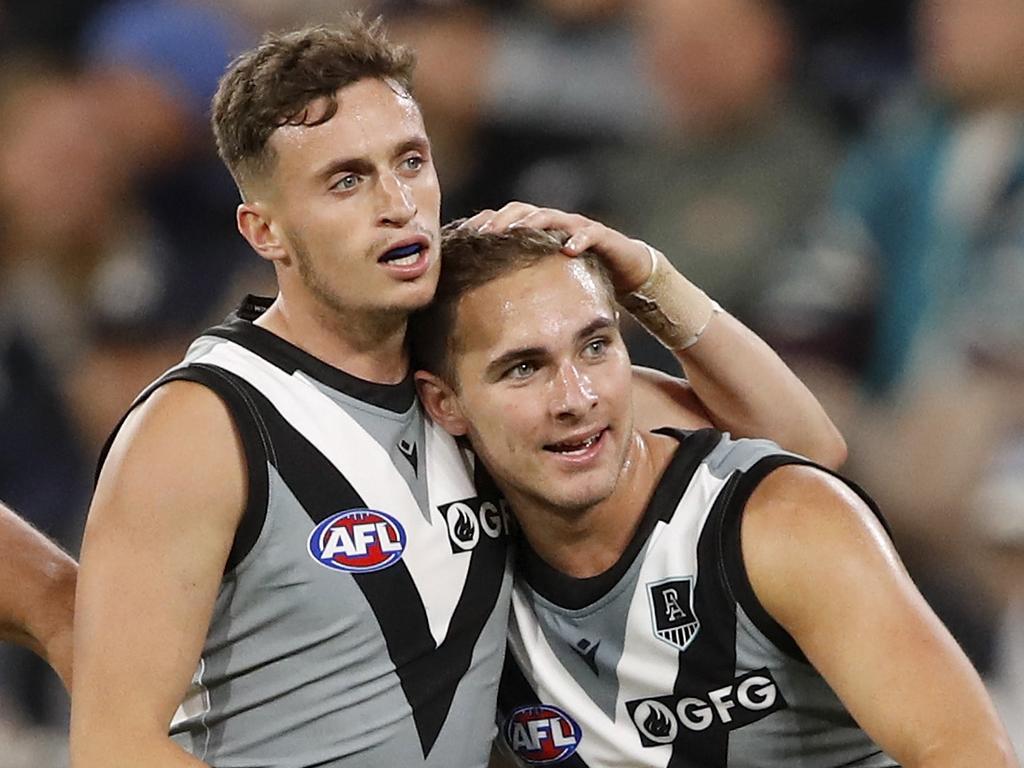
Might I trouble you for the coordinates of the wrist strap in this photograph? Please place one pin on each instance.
(670, 307)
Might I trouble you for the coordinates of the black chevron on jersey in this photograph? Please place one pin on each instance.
(392, 594)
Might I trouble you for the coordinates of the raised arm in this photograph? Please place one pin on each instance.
(37, 593)
(161, 525)
(821, 564)
(742, 386)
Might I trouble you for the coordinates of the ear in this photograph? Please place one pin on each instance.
(441, 402)
(257, 228)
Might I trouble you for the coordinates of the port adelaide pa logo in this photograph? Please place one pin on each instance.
(672, 612)
(357, 541)
(469, 519)
(541, 734)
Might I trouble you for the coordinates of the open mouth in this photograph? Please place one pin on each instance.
(575, 447)
(402, 256)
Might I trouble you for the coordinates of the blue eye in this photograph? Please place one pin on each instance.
(413, 163)
(346, 182)
(521, 370)
(595, 348)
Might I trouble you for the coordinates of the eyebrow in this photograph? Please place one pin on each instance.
(363, 165)
(507, 359)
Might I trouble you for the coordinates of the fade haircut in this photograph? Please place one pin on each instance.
(275, 83)
(469, 260)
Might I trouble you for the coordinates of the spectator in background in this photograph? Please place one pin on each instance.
(511, 90)
(738, 158)
(154, 65)
(59, 211)
(676, 119)
(741, 158)
(114, 249)
(50, 27)
(907, 306)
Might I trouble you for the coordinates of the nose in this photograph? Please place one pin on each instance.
(397, 205)
(572, 394)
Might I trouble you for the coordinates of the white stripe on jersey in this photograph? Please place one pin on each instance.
(642, 666)
(365, 464)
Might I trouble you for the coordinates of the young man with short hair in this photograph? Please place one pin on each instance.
(681, 597)
(283, 556)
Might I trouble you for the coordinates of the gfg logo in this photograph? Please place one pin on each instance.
(469, 518)
(541, 734)
(660, 720)
(357, 541)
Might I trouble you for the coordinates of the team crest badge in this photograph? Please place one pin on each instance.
(672, 612)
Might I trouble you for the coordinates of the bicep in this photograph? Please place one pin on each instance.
(158, 535)
(822, 565)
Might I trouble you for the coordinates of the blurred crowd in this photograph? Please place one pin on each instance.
(845, 176)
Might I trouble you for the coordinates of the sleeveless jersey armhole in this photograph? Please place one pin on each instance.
(734, 569)
(255, 441)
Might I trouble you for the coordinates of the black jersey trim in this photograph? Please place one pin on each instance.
(240, 329)
(732, 502)
(572, 593)
(429, 673)
(236, 395)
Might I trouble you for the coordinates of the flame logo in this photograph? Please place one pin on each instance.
(464, 528)
(657, 725)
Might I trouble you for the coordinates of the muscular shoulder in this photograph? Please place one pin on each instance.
(180, 447)
(661, 400)
(808, 502)
(804, 532)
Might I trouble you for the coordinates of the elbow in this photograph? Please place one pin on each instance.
(55, 632)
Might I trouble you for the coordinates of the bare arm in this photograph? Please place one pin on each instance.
(743, 387)
(158, 535)
(37, 593)
(823, 567)
(749, 391)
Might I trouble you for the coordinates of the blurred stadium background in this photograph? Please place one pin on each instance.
(847, 176)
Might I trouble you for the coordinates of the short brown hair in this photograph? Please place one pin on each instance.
(274, 83)
(469, 260)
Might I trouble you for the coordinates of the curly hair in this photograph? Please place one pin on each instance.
(275, 84)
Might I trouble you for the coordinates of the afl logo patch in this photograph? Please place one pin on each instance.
(541, 734)
(357, 541)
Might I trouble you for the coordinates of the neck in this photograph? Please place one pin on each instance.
(368, 347)
(585, 543)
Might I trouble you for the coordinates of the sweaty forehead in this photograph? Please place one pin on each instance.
(542, 305)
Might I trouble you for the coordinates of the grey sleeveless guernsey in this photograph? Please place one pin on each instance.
(668, 660)
(362, 615)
